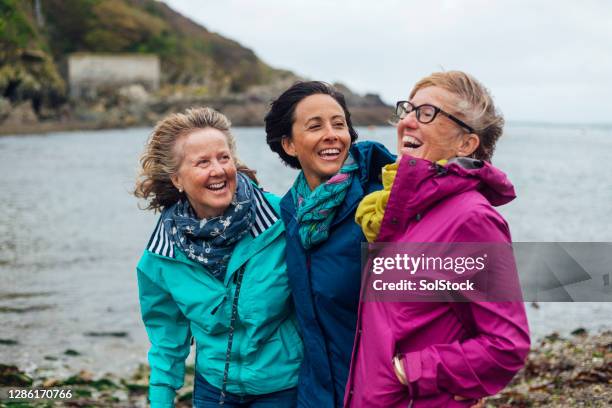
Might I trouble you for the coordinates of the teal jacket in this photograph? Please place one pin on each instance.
(179, 299)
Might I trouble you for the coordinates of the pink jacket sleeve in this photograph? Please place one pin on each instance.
(486, 362)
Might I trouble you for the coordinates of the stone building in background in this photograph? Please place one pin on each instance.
(89, 75)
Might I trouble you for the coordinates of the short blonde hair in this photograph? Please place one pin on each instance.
(160, 161)
(475, 106)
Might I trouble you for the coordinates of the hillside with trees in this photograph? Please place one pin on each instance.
(197, 66)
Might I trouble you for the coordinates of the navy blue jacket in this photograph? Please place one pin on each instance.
(325, 283)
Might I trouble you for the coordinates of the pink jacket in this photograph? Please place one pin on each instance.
(445, 354)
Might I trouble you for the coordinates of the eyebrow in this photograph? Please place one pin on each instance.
(197, 158)
(319, 118)
(208, 155)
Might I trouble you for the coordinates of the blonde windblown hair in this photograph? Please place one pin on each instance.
(474, 106)
(160, 159)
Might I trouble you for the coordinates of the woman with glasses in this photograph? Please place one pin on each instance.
(442, 190)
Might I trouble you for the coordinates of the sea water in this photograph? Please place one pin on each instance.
(71, 233)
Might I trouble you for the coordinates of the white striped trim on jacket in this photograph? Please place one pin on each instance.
(160, 242)
(265, 216)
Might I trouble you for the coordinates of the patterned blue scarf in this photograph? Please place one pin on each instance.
(316, 209)
(210, 241)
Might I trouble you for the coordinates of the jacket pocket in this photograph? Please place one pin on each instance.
(211, 313)
(284, 345)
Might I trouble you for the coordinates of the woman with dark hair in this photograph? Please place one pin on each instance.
(443, 190)
(214, 271)
(309, 127)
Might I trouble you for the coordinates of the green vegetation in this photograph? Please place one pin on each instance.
(190, 55)
(27, 71)
(15, 28)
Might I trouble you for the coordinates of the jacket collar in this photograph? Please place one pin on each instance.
(347, 207)
(420, 184)
(371, 157)
(264, 230)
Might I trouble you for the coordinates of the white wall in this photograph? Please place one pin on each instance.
(87, 72)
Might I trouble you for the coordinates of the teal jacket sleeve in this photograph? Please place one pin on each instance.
(168, 331)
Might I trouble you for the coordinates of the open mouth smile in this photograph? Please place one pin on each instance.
(329, 153)
(411, 142)
(217, 186)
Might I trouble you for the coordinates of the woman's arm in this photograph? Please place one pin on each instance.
(169, 334)
(486, 362)
(479, 366)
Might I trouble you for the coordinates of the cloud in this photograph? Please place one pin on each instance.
(533, 55)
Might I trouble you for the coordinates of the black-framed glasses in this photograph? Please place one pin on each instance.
(426, 113)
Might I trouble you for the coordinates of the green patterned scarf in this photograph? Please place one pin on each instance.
(316, 208)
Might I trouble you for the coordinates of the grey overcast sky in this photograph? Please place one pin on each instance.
(543, 60)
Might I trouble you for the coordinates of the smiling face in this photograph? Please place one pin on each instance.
(440, 139)
(319, 138)
(207, 172)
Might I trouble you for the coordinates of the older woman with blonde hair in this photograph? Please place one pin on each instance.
(214, 270)
(442, 190)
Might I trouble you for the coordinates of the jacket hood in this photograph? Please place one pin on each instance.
(494, 184)
(420, 184)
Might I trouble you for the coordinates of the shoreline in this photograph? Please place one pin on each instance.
(45, 127)
(84, 117)
(52, 127)
(559, 372)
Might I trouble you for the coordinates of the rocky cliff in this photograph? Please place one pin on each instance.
(197, 67)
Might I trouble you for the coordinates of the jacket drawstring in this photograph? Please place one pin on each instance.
(230, 337)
